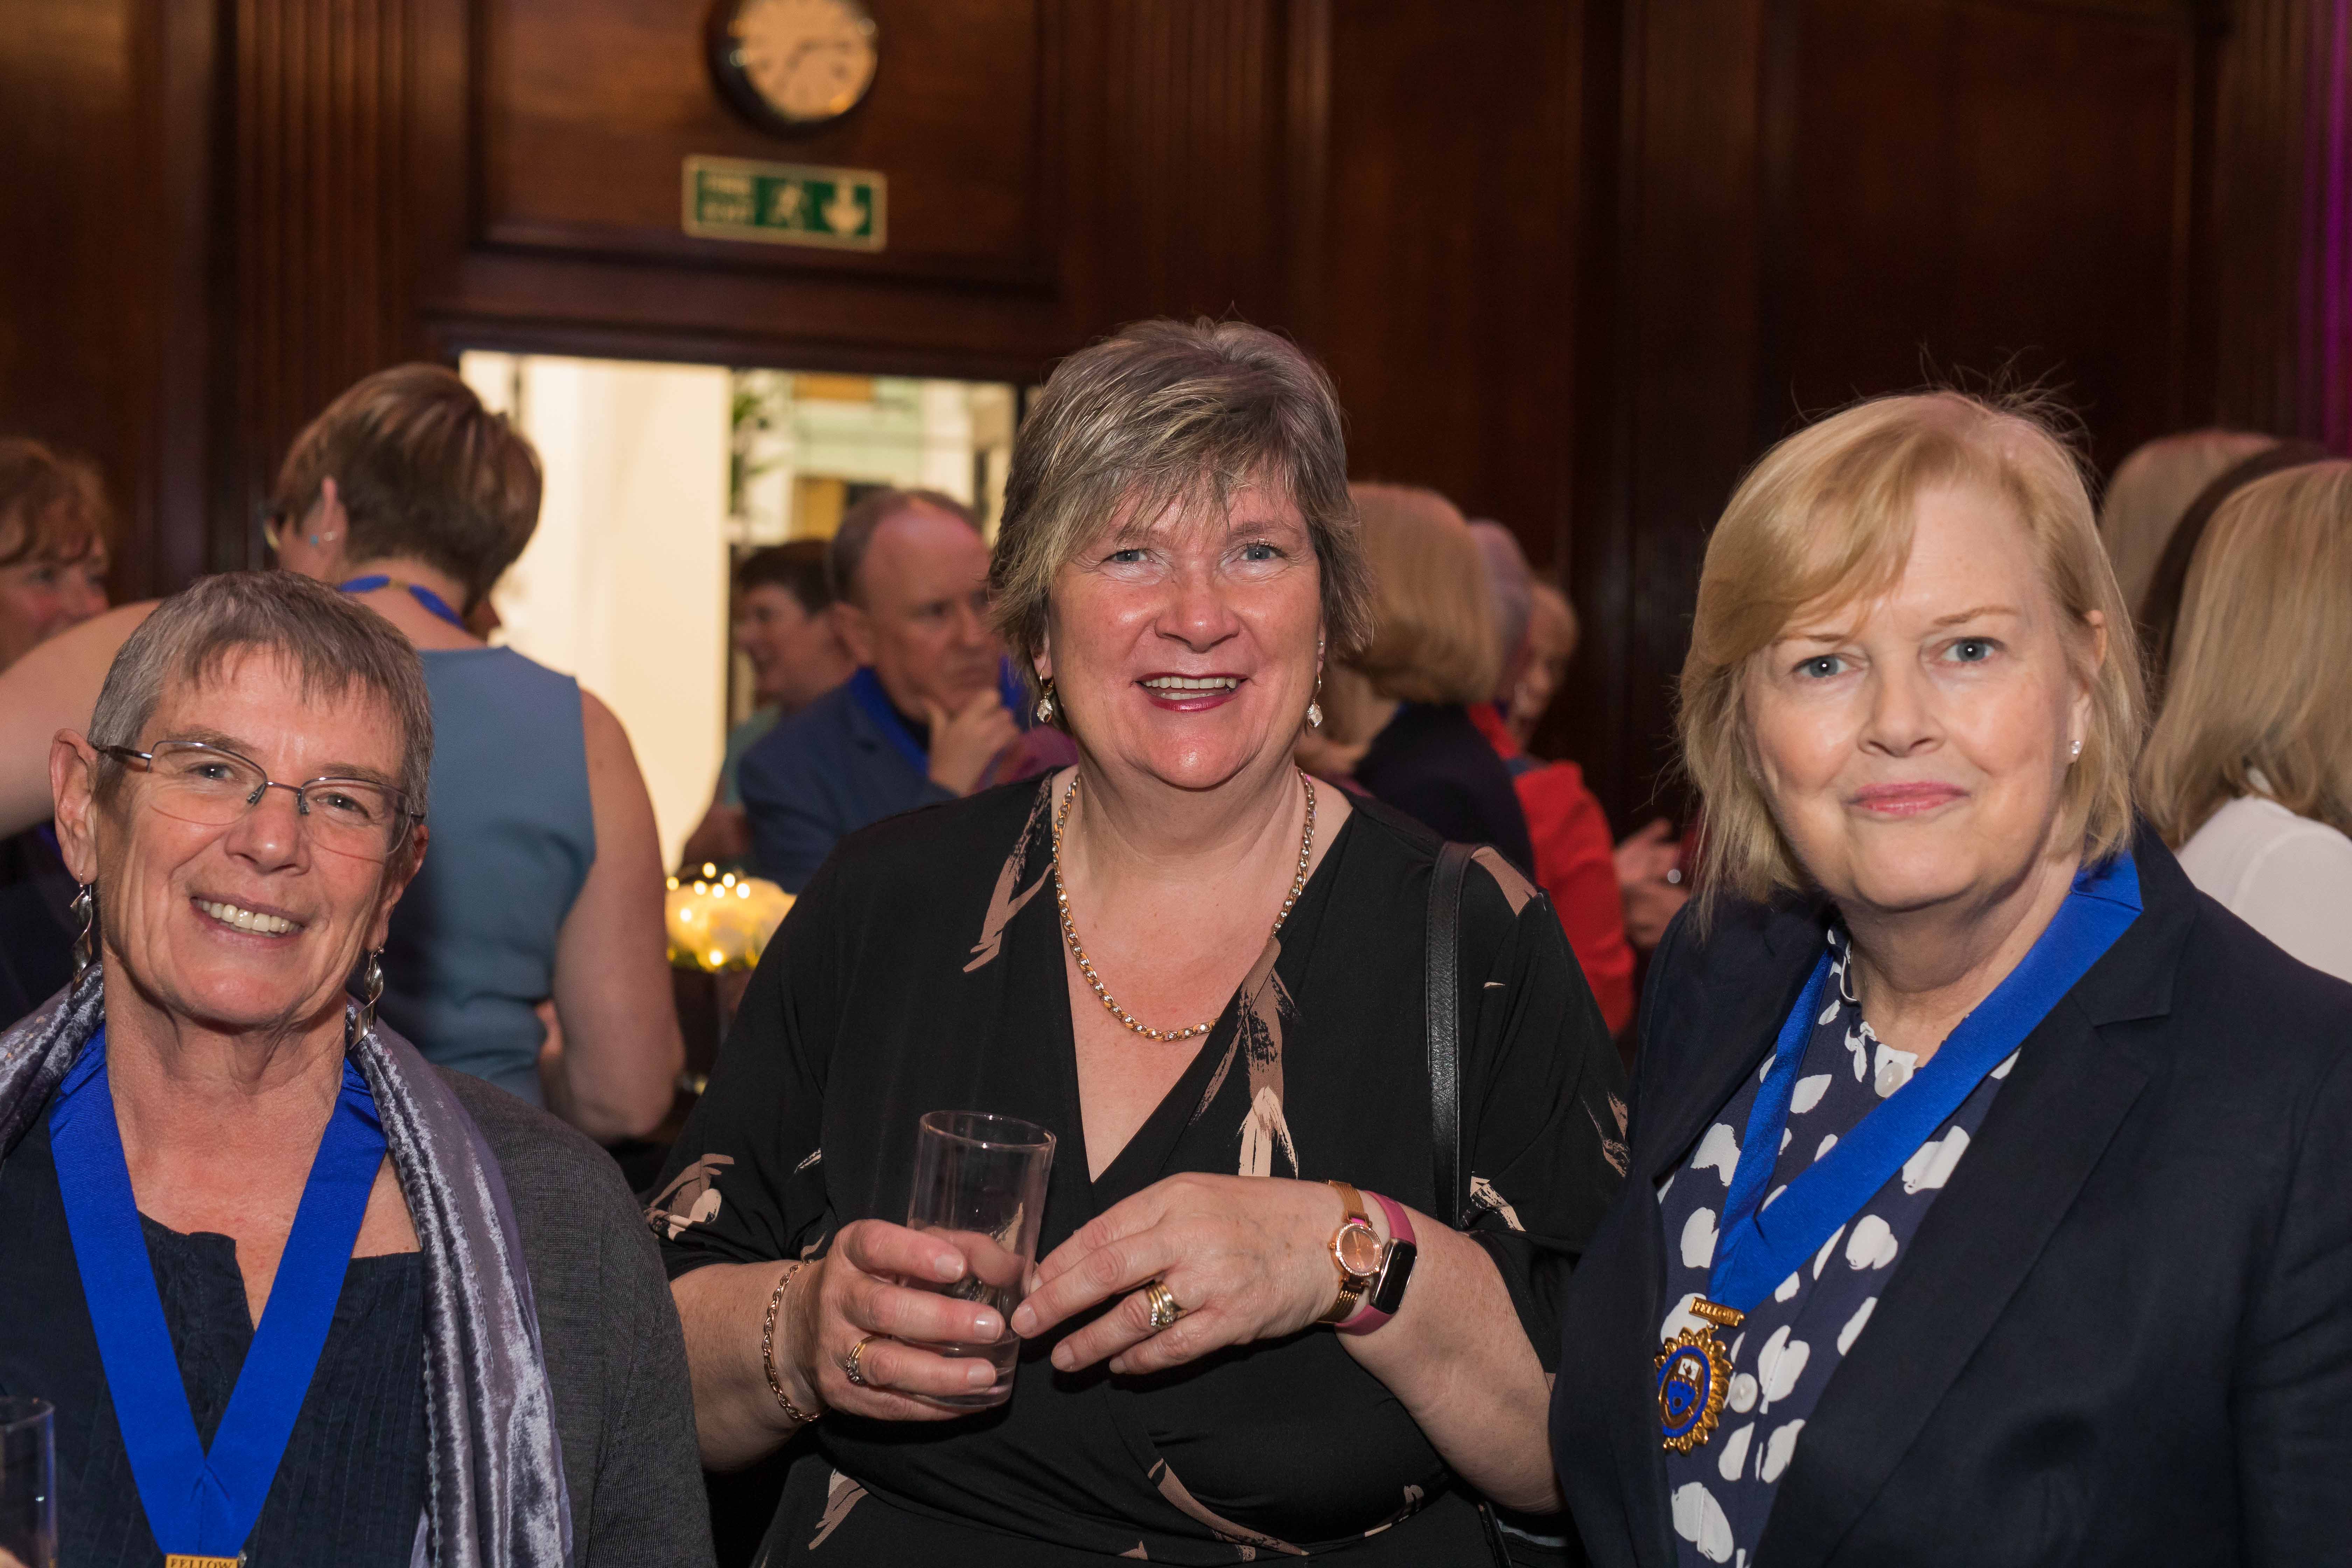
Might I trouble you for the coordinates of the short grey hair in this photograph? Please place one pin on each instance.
(845, 555)
(1164, 411)
(333, 643)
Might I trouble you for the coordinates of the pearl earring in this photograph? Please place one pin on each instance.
(2078, 750)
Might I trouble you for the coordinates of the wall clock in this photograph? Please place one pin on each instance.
(790, 66)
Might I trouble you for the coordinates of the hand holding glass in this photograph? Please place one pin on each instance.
(980, 1184)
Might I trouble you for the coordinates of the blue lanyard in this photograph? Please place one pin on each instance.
(197, 1502)
(425, 596)
(865, 689)
(1761, 1246)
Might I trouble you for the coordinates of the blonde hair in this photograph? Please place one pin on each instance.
(2256, 703)
(1824, 519)
(423, 469)
(1434, 614)
(1167, 411)
(2152, 491)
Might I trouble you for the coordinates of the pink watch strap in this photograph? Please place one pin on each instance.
(1369, 1317)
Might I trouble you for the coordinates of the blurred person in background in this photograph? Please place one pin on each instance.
(54, 525)
(2152, 491)
(1405, 697)
(464, 1351)
(546, 879)
(930, 709)
(2157, 609)
(1574, 861)
(785, 627)
(2249, 773)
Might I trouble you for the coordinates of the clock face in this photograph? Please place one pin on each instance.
(804, 61)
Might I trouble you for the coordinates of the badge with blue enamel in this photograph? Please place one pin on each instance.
(1694, 1370)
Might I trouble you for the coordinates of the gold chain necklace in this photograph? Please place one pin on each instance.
(1077, 949)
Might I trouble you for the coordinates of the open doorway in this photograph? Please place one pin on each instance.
(659, 477)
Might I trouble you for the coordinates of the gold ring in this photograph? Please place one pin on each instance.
(1164, 1310)
(850, 1368)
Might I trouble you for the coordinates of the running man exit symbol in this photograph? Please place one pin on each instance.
(784, 203)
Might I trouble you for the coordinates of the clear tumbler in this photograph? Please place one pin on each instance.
(980, 1183)
(28, 1484)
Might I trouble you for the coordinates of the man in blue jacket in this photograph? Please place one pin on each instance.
(932, 704)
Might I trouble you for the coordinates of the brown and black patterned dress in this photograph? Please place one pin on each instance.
(922, 970)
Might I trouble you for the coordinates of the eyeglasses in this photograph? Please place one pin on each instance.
(214, 788)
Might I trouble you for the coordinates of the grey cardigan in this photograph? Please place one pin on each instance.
(615, 1355)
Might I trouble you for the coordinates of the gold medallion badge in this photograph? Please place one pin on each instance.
(1694, 1370)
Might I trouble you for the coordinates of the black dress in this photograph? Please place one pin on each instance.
(922, 970)
(353, 1486)
(1431, 763)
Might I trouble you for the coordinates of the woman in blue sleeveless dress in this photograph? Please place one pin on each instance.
(545, 880)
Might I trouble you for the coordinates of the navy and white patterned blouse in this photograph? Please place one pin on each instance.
(1784, 1354)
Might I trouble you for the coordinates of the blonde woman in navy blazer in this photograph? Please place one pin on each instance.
(1988, 1195)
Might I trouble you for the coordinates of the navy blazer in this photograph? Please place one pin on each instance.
(2122, 1335)
(825, 772)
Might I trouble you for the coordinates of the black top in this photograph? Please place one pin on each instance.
(923, 970)
(353, 1486)
(36, 932)
(2122, 1335)
(1431, 763)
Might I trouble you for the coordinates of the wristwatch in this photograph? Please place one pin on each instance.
(1396, 1269)
(1356, 1252)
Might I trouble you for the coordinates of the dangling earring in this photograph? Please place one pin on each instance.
(85, 945)
(356, 1026)
(1045, 708)
(1314, 704)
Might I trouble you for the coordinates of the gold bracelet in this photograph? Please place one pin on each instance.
(799, 1417)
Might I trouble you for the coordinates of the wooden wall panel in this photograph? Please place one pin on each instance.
(1445, 309)
(323, 270)
(2004, 186)
(105, 278)
(2283, 198)
(586, 110)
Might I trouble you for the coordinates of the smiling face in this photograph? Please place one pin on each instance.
(796, 656)
(255, 925)
(1913, 748)
(1184, 647)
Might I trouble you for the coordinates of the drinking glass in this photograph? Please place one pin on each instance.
(28, 1484)
(980, 1183)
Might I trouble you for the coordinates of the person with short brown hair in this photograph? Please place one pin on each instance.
(1962, 1120)
(54, 529)
(411, 497)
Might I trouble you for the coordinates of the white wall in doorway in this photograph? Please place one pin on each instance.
(624, 585)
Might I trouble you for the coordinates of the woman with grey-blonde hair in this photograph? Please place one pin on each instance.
(1285, 1304)
(1986, 1198)
(2249, 773)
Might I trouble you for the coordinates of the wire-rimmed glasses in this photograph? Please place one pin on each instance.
(213, 787)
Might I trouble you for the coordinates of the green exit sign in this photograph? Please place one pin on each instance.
(785, 203)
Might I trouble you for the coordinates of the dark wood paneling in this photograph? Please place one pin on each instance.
(1445, 306)
(587, 109)
(2002, 183)
(105, 280)
(2283, 226)
(322, 262)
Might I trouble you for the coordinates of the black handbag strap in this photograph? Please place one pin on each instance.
(1446, 1028)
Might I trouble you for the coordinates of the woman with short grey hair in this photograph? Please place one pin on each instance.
(296, 1295)
(1263, 1321)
